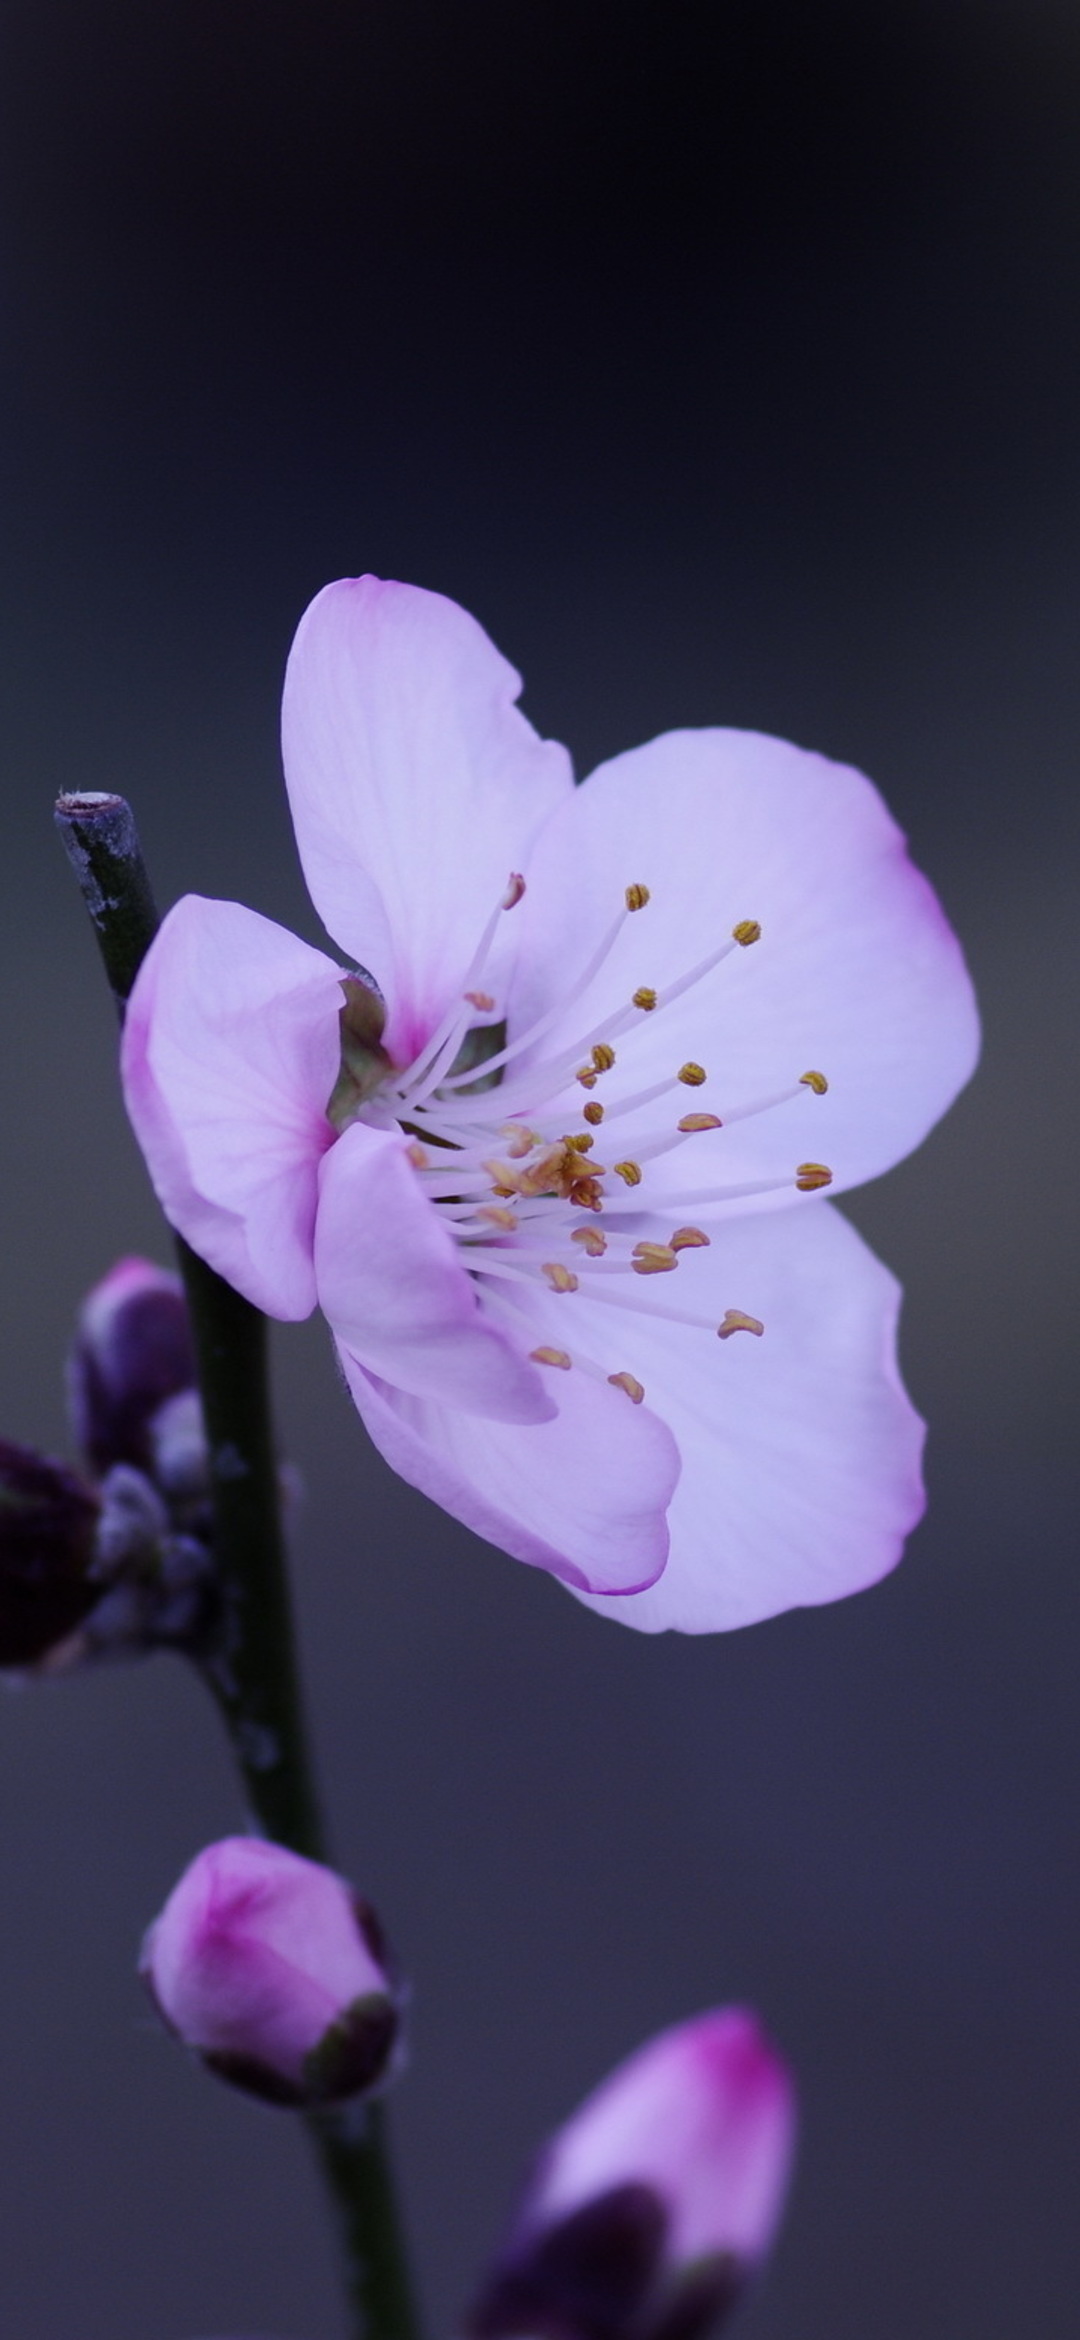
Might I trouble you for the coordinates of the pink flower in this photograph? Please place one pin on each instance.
(270, 1967)
(526, 1255)
(649, 2210)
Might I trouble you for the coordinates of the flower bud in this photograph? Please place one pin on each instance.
(48, 1527)
(276, 1973)
(648, 2211)
(132, 1350)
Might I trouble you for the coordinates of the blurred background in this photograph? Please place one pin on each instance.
(723, 358)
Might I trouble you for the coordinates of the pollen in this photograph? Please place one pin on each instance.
(515, 887)
(645, 997)
(480, 999)
(692, 1075)
(653, 1259)
(692, 1121)
(561, 1279)
(810, 1175)
(746, 932)
(688, 1239)
(551, 1357)
(627, 1381)
(736, 1321)
(636, 897)
(590, 1240)
(629, 1172)
(593, 1112)
(815, 1081)
(603, 1056)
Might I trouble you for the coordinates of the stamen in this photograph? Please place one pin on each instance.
(591, 1241)
(630, 1384)
(654, 1259)
(479, 999)
(815, 1081)
(561, 1279)
(746, 932)
(629, 1172)
(692, 1075)
(586, 1076)
(695, 1121)
(497, 1217)
(515, 887)
(551, 1357)
(593, 1113)
(418, 1155)
(580, 1145)
(645, 998)
(810, 1175)
(636, 897)
(527, 1039)
(685, 1238)
(445, 1040)
(603, 1057)
(735, 1321)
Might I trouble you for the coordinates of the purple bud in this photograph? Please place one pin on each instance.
(132, 1350)
(647, 2212)
(48, 1526)
(272, 1969)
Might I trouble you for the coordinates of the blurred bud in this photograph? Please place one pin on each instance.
(272, 1968)
(647, 2213)
(132, 1351)
(48, 1529)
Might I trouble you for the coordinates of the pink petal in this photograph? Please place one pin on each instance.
(416, 787)
(583, 1496)
(800, 1448)
(230, 1050)
(391, 1284)
(857, 973)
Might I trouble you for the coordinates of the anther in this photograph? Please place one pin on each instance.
(586, 1076)
(735, 1321)
(653, 1259)
(636, 897)
(588, 1194)
(603, 1057)
(747, 931)
(479, 999)
(645, 998)
(591, 1241)
(629, 1172)
(418, 1155)
(692, 1121)
(688, 1239)
(497, 1217)
(626, 1381)
(519, 1141)
(815, 1081)
(580, 1145)
(692, 1075)
(515, 887)
(810, 1175)
(593, 1112)
(561, 1279)
(551, 1357)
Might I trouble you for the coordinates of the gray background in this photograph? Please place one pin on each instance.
(723, 358)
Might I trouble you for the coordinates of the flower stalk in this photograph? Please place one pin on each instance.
(250, 1665)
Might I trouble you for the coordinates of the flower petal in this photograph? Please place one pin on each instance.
(229, 1053)
(857, 973)
(416, 786)
(800, 1448)
(583, 1496)
(392, 1286)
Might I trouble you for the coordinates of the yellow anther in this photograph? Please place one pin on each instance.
(506, 1190)
(418, 1155)
(551, 1357)
(591, 1241)
(629, 1172)
(746, 932)
(580, 1145)
(692, 1121)
(588, 1194)
(689, 1239)
(815, 1081)
(653, 1259)
(593, 1112)
(519, 1140)
(603, 1057)
(810, 1175)
(692, 1075)
(496, 1216)
(561, 1279)
(586, 1076)
(636, 897)
(645, 998)
(480, 999)
(735, 1321)
(515, 887)
(626, 1381)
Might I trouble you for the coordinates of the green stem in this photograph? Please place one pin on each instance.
(251, 1667)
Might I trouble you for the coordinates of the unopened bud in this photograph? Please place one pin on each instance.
(276, 1973)
(650, 2209)
(48, 1528)
(132, 1351)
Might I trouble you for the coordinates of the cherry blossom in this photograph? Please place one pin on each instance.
(548, 1141)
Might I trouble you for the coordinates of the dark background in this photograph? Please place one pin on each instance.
(724, 360)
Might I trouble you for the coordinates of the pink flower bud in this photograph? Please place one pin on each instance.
(48, 1530)
(647, 2212)
(132, 1350)
(276, 1973)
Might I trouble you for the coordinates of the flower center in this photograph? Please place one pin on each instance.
(512, 1184)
